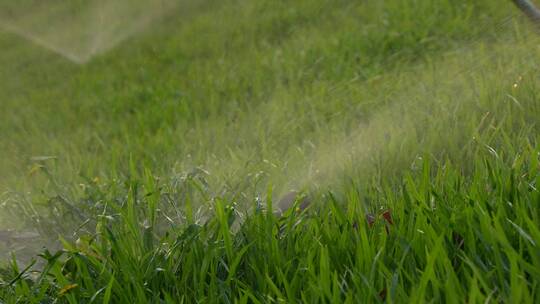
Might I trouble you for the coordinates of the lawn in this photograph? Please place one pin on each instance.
(150, 171)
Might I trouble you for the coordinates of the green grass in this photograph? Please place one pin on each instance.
(168, 150)
(453, 239)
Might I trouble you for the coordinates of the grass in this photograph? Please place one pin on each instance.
(412, 126)
(450, 238)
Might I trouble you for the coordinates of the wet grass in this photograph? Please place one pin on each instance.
(438, 236)
(414, 132)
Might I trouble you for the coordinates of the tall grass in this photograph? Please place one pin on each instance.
(437, 236)
(411, 125)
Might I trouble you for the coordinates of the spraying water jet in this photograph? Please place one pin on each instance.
(80, 30)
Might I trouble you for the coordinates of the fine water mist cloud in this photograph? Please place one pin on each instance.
(80, 30)
(426, 113)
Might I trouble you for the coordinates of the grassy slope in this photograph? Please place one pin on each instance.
(358, 91)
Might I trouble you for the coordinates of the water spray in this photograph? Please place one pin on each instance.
(79, 31)
(353, 145)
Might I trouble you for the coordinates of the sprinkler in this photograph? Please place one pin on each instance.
(529, 9)
(291, 199)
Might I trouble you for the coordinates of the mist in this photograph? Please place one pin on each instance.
(80, 30)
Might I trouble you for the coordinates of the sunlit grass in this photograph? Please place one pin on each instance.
(412, 129)
(450, 238)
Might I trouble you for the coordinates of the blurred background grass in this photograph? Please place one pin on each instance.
(246, 94)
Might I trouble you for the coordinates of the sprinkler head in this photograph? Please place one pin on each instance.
(288, 201)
